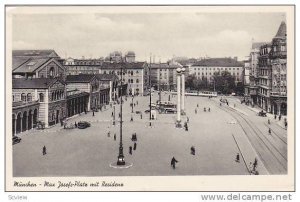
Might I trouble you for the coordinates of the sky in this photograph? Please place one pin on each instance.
(162, 35)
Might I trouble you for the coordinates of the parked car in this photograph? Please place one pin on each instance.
(147, 111)
(170, 111)
(83, 124)
(262, 113)
(16, 140)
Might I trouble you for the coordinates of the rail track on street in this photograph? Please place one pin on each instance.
(272, 149)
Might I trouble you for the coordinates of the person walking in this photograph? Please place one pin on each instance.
(275, 116)
(75, 124)
(279, 117)
(193, 151)
(115, 137)
(285, 124)
(93, 112)
(237, 158)
(134, 146)
(208, 109)
(197, 105)
(108, 134)
(195, 111)
(112, 114)
(131, 119)
(269, 122)
(269, 131)
(130, 150)
(44, 150)
(141, 116)
(173, 162)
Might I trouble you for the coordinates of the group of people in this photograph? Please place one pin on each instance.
(134, 140)
(174, 161)
(252, 166)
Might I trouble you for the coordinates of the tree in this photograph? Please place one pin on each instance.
(224, 82)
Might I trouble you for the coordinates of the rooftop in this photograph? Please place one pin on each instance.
(219, 62)
(34, 83)
(281, 33)
(81, 78)
(35, 53)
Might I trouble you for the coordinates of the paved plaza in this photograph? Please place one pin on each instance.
(89, 152)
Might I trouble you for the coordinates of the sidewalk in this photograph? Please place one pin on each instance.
(270, 116)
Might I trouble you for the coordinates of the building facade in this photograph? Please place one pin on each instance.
(48, 93)
(207, 67)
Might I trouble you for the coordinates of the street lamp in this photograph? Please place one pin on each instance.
(121, 160)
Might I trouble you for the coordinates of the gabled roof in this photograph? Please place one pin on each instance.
(16, 62)
(106, 77)
(281, 33)
(35, 53)
(30, 65)
(219, 62)
(81, 78)
(34, 83)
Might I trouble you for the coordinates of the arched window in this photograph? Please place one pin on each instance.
(53, 96)
(131, 80)
(41, 97)
(23, 97)
(131, 73)
(29, 97)
(51, 72)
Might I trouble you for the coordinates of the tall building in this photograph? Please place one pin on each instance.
(130, 57)
(272, 92)
(278, 58)
(163, 75)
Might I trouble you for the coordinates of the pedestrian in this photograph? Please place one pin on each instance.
(275, 116)
(193, 151)
(269, 131)
(44, 150)
(130, 150)
(61, 122)
(208, 109)
(173, 162)
(269, 122)
(119, 115)
(197, 105)
(255, 164)
(196, 111)
(131, 119)
(237, 159)
(93, 112)
(134, 104)
(204, 109)
(134, 146)
(152, 116)
(115, 137)
(279, 117)
(112, 114)
(75, 124)
(285, 124)
(141, 116)
(108, 134)
(187, 119)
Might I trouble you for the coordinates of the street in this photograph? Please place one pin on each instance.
(89, 152)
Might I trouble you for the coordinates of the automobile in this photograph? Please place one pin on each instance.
(138, 112)
(16, 140)
(83, 124)
(261, 113)
(147, 111)
(170, 111)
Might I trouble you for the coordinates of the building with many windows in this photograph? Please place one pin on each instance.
(206, 68)
(163, 75)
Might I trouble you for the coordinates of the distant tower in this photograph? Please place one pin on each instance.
(130, 57)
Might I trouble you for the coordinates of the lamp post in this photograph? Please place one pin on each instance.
(114, 117)
(178, 121)
(121, 160)
(132, 104)
(183, 91)
(150, 115)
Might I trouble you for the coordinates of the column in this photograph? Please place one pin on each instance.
(183, 91)
(178, 121)
(15, 128)
(110, 91)
(278, 108)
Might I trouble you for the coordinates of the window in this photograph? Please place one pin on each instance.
(41, 97)
(51, 72)
(13, 98)
(23, 97)
(128, 80)
(131, 80)
(137, 80)
(29, 97)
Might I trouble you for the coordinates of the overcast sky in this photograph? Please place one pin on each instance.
(162, 34)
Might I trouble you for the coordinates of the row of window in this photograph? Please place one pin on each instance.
(131, 80)
(24, 97)
(214, 69)
(57, 95)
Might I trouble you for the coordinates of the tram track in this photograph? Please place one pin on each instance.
(269, 152)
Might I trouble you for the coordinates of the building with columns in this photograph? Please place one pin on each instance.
(43, 98)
